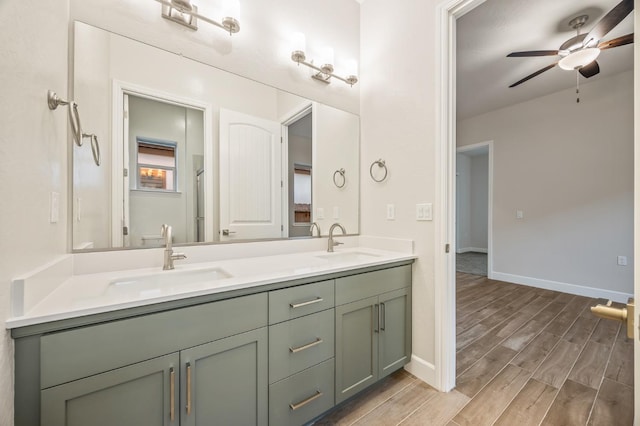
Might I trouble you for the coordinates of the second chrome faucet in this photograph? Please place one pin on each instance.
(169, 255)
(331, 244)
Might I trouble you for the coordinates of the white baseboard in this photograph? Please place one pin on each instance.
(468, 249)
(423, 370)
(579, 290)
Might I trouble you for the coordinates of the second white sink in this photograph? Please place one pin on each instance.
(347, 256)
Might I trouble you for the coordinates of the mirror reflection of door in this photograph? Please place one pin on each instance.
(299, 138)
(165, 153)
(250, 177)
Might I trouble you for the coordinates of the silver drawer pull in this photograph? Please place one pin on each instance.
(307, 346)
(301, 404)
(309, 302)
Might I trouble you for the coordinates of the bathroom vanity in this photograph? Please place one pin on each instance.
(279, 353)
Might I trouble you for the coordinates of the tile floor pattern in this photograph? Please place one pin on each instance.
(525, 356)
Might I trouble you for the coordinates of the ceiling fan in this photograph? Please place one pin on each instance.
(580, 52)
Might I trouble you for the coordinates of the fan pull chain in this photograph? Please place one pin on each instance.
(577, 87)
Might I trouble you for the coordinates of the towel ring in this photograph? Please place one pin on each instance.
(74, 115)
(344, 179)
(381, 164)
(95, 147)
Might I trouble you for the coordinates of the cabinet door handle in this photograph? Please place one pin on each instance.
(307, 303)
(376, 318)
(172, 391)
(383, 315)
(301, 404)
(307, 346)
(188, 388)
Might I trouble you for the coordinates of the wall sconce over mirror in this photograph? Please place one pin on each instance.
(325, 71)
(185, 13)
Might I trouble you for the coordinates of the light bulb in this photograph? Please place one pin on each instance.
(326, 56)
(231, 9)
(579, 58)
(298, 42)
(352, 67)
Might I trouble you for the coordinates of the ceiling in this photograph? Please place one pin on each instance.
(498, 27)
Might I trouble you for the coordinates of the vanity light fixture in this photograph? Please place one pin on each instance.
(185, 13)
(324, 72)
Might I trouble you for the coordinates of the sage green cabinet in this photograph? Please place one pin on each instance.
(225, 382)
(136, 395)
(373, 331)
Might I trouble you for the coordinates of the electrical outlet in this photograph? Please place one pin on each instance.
(622, 260)
(336, 212)
(319, 213)
(391, 212)
(519, 214)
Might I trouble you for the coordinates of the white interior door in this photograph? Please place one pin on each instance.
(250, 177)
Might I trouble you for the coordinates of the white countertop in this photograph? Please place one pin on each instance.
(93, 293)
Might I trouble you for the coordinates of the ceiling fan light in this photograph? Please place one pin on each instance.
(579, 58)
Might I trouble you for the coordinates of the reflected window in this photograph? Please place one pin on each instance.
(302, 194)
(156, 165)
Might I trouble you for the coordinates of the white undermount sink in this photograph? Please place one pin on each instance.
(347, 256)
(152, 284)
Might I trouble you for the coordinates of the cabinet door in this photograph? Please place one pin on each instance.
(225, 382)
(136, 395)
(395, 331)
(356, 347)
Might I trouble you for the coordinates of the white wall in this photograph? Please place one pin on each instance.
(479, 202)
(260, 51)
(33, 152)
(569, 168)
(463, 202)
(398, 125)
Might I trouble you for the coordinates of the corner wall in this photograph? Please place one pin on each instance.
(569, 168)
(33, 152)
(398, 125)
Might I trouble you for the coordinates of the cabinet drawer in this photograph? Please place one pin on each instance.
(357, 287)
(298, 301)
(303, 396)
(74, 354)
(300, 343)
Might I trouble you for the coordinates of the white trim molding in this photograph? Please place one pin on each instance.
(576, 289)
(422, 369)
(445, 149)
(471, 249)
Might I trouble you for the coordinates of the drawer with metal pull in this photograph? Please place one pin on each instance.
(303, 396)
(301, 343)
(302, 300)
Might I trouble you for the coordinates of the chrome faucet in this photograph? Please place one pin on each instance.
(316, 226)
(169, 255)
(331, 243)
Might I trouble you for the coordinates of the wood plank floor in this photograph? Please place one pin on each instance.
(525, 356)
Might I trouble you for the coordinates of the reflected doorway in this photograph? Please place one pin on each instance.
(299, 170)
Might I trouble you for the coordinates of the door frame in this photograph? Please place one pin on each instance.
(286, 120)
(119, 89)
(462, 150)
(447, 13)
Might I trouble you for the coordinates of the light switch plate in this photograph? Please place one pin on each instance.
(391, 212)
(54, 207)
(424, 211)
(319, 213)
(519, 214)
(622, 260)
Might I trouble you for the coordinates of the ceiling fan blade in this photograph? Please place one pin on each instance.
(608, 22)
(590, 70)
(530, 76)
(620, 41)
(529, 53)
